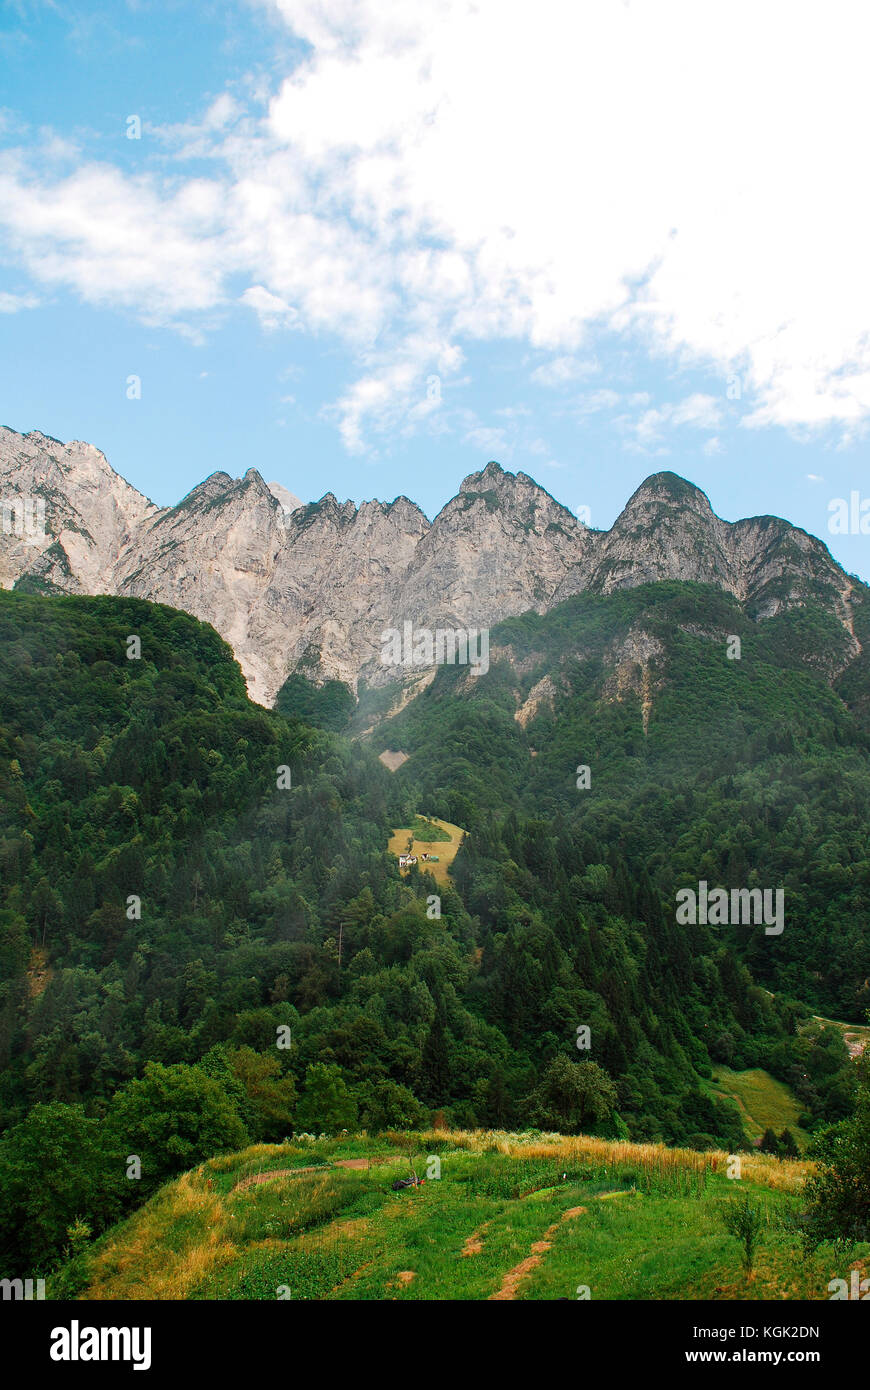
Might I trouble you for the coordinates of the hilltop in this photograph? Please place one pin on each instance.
(512, 1216)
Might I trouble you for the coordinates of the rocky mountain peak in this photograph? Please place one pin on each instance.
(215, 485)
(493, 475)
(288, 501)
(313, 586)
(668, 489)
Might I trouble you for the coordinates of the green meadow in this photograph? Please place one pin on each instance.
(510, 1217)
(763, 1102)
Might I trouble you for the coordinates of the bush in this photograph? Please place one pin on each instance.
(172, 1118)
(745, 1222)
(839, 1190)
(572, 1097)
(56, 1170)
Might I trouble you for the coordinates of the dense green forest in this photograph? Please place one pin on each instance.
(751, 772)
(204, 941)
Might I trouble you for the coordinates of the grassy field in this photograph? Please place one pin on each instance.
(763, 1102)
(511, 1217)
(426, 831)
(445, 841)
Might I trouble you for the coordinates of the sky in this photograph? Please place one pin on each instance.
(365, 246)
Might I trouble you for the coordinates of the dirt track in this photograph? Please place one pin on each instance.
(269, 1173)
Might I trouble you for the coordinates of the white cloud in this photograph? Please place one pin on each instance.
(561, 371)
(487, 440)
(398, 391)
(14, 303)
(704, 412)
(271, 309)
(116, 240)
(664, 175)
(698, 411)
(593, 401)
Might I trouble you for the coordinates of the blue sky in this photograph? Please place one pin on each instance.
(365, 247)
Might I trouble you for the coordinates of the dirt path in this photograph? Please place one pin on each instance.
(516, 1276)
(269, 1173)
(474, 1243)
(856, 1036)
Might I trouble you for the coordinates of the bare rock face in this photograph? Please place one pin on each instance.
(502, 545)
(667, 530)
(337, 576)
(633, 670)
(541, 696)
(288, 501)
(67, 515)
(213, 556)
(304, 589)
(313, 587)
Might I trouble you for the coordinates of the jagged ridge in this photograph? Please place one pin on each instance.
(311, 587)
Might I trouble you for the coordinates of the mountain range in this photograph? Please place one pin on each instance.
(310, 588)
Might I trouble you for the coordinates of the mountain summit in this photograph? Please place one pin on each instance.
(312, 587)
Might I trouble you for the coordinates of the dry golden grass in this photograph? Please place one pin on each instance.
(128, 1269)
(784, 1175)
(445, 849)
(263, 1153)
(38, 972)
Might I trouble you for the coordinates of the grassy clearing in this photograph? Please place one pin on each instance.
(445, 848)
(666, 1248)
(426, 831)
(534, 1216)
(763, 1102)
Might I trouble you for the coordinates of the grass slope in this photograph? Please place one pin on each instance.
(763, 1102)
(511, 1217)
(444, 840)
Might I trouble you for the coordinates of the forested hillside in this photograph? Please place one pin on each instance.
(751, 771)
(187, 876)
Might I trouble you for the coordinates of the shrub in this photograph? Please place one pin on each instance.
(745, 1222)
